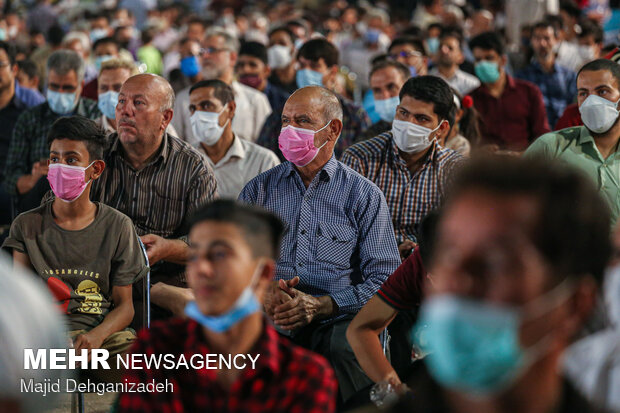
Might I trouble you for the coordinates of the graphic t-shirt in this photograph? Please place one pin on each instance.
(80, 267)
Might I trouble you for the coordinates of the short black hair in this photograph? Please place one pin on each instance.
(602, 64)
(105, 40)
(545, 24)
(316, 49)
(488, 41)
(571, 230)
(79, 128)
(263, 230)
(416, 42)
(452, 31)
(221, 90)
(382, 64)
(55, 35)
(10, 50)
(254, 49)
(571, 8)
(285, 30)
(589, 28)
(28, 67)
(433, 90)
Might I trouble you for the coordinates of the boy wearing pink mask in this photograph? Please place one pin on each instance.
(87, 253)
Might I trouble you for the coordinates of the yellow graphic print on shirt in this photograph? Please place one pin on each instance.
(92, 299)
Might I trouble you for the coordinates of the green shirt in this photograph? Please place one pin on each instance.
(575, 146)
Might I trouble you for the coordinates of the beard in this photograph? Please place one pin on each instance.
(212, 72)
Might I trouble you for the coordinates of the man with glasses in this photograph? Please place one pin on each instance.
(410, 51)
(26, 165)
(218, 58)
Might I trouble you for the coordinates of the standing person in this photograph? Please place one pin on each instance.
(512, 111)
(234, 249)
(26, 162)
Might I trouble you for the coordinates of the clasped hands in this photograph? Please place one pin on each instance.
(291, 309)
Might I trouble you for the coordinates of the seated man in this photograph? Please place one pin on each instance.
(233, 253)
(407, 163)
(87, 252)
(508, 291)
(235, 161)
(512, 111)
(339, 247)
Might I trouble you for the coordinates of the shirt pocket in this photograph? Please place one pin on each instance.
(335, 244)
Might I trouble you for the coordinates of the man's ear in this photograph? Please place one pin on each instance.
(233, 59)
(335, 129)
(232, 107)
(267, 71)
(503, 61)
(580, 307)
(97, 169)
(168, 114)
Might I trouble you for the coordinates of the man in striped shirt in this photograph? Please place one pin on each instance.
(407, 163)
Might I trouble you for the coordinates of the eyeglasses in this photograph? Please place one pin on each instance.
(4, 64)
(405, 54)
(212, 50)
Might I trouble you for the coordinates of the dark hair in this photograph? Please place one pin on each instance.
(452, 31)
(79, 128)
(28, 67)
(379, 58)
(262, 229)
(197, 20)
(221, 90)
(285, 30)
(416, 42)
(488, 41)
(105, 40)
(571, 8)
(571, 230)
(545, 24)
(254, 49)
(10, 51)
(316, 49)
(434, 26)
(602, 64)
(433, 90)
(589, 28)
(382, 64)
(148, 35)
(426, 235)
(469, 125)
(55, 35)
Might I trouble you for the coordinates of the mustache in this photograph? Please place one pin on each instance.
(127, 122)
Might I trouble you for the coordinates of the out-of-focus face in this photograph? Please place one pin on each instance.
(77, 47)
(543, 42)
(597, 82)
(408, 55)
(106, 49)
(386, 83)
(25, 80)
(216, 58)
(190, 48)
(489, 55)
(449, 52)
(220, 267)
(252, 66)
(282, 38)
(112, 80)
(7, 71)
(67, 83)
(195, 31)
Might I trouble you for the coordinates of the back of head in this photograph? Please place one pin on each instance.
(65, 61)
(79, 128)
(316, 49)
(433, 90)
(488, 41)
(571, 227)
(28, 67)
(262, 229)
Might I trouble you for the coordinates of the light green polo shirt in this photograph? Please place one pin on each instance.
(575, 146)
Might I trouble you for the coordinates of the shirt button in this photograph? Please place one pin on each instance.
(334, 238)
(301, 264)
(135, 199)
(303, 232)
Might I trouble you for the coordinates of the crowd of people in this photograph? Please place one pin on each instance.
(408, 203)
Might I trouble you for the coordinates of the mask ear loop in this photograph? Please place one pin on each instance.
(315, 132)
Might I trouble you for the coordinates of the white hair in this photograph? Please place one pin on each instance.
(81, 36)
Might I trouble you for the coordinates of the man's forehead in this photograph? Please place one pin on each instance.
(70, 76)
(418, 106)
(595, 78)
(385, 74)
(203, 93)
(214, 41)
(303, 102)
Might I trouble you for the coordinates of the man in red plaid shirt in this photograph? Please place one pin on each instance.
(233, 252)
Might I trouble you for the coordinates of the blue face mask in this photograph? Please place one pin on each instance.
(372, 36)
(413, 71)
(307, 77)
(61, 103)
(433, 44)
(107, 104)
(474, 346)
(97, 34)
(487, 72)
(386, 108)
(190, 66)
(100, 59)
(245, 305)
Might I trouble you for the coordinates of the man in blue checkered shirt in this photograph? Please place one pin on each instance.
(339, 246)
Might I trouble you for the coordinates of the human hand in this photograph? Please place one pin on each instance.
(87, 341)
(406, 248)
(39, 169)
(274, 296)
(299, 311)
(156, 247)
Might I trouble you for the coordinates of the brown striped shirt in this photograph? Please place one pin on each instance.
(161, 196)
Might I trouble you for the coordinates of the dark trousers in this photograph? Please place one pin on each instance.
(330, 341)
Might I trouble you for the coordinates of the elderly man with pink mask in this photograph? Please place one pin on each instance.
(339, 245)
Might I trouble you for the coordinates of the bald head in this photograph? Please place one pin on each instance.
(157, 85)
(326, 100)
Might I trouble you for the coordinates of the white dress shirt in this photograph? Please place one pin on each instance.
(462, 82)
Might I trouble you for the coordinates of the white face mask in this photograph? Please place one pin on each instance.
(206, 127)
(586, 53)
(598, 114)
(411, 138)
(279, 56)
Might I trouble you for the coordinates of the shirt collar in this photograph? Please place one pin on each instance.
(429, 158)
(585, 136)
(163, 153)
(326, 173)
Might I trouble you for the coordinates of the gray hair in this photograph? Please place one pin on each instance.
(231, 42)
(64, 61)
(332, 109)
(80, 36)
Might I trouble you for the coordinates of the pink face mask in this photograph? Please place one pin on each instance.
(297, 144)
(67, 182)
